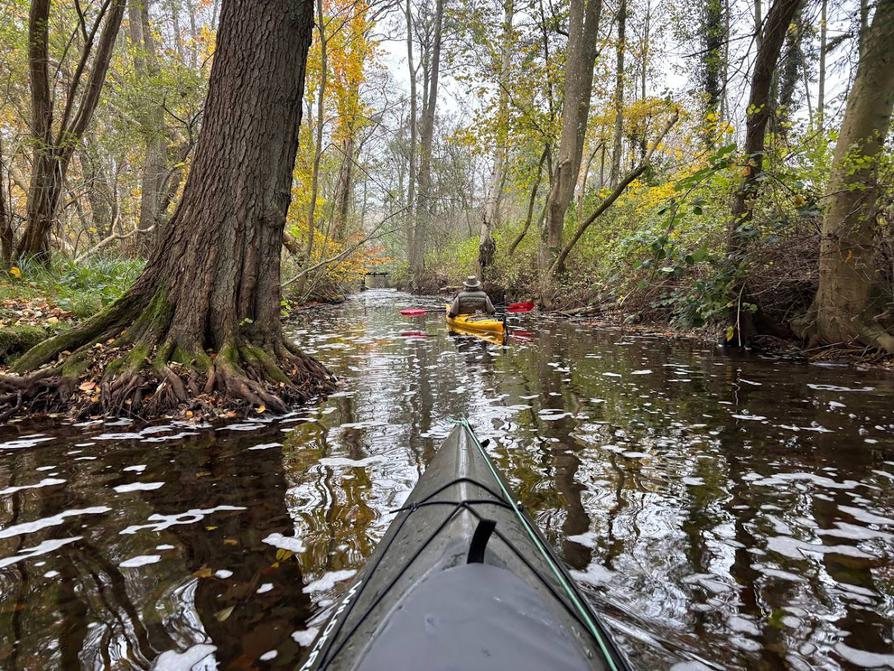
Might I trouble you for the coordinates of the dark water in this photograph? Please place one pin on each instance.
(720, 512)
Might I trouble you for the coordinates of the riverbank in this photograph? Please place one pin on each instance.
(601, 310)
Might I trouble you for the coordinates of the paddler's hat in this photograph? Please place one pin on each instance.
(472, 282)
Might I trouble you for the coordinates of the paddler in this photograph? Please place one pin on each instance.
(471, 300)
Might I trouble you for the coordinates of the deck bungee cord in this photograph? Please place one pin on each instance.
(583, 611)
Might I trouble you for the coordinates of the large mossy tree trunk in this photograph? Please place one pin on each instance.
(203, 319)
(847, 300)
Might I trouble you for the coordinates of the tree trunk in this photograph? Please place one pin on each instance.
(318, 147)
(532, 199)
(713, 66)
(581, 55)
(490, 213)
(7, 240)
(847, 299)
(778, 20)
(821, 75)
(52, 155)
(412, 250)
(344, 189)
(424, 209)
(618, 146)
(212, 284)
(787, 76)
(155, 162)
(619, 189)
(100, 191)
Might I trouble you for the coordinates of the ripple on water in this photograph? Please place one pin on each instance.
(721, 513)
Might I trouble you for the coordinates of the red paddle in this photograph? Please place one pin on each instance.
(516, 308)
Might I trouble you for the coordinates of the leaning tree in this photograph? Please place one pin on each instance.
(851, 300)
(203, 319)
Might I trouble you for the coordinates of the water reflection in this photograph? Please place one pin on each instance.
(729, 513)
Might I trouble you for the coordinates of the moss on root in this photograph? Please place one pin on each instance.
(142, 381)
(16, 340)
(115, 364)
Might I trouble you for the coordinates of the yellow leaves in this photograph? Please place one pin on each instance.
(223, 615)
(203, 572)
(730, 332)
(15, 272)
(261, 409)
(283, 555)
(87, 386)
(799, 200)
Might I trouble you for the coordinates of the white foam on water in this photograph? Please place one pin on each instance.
(159, 522)
(55, 520)
(39, 549)
(140, 560)
(265, 446)
(305, 637)
(25, 442)
(46, 482)
(327, 581)
(138, 487)
(290, 543)
(188, 660)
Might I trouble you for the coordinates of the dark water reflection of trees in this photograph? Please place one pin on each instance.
(734, 511)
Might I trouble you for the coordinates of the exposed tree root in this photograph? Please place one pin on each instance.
(868, 333)
(132, 380)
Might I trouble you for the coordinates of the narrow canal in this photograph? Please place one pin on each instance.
(721, 512)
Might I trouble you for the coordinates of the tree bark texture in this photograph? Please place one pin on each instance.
(412, 250)
(770, 44)
(714, 37)
(581, 54)
(153, 198)
(53, 151)
(848, 299)
(344, 188)
(424, 208)
(7, 240)
(618, 146)
(212, 284)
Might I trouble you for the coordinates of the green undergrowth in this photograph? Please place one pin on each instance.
(37, 302)
(658, 255)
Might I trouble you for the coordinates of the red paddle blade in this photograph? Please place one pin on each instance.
(414, 334)
(414, 312)
(524, 306)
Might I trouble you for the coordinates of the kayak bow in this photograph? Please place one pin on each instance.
(463, 580)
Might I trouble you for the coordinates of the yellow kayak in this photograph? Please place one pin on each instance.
(478, 323)
(492, 337)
